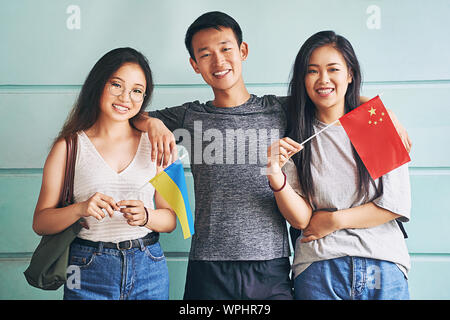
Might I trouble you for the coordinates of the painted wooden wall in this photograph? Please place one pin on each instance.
(48, 47)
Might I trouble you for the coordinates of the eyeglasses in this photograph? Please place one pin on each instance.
(136, 94)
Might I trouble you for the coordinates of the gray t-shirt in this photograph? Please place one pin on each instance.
(335, 179)
(236, 216)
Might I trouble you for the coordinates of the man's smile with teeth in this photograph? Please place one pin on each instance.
(221, 73)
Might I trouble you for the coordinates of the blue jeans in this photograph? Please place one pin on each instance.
(351, 278)
(103, 273)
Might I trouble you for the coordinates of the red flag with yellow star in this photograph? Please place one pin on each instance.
(375, 138)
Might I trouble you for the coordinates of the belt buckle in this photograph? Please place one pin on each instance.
(118, 245)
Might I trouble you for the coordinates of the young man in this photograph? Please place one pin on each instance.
(240, 248)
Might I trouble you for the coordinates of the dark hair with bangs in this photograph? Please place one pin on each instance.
(302, 111)
(215, 20)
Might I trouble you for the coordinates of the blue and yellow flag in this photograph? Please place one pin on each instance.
(171, 185)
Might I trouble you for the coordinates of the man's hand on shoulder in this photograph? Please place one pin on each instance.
(164, 148)
(398, 126)
(400, 130)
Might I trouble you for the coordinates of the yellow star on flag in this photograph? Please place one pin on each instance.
(375, 121)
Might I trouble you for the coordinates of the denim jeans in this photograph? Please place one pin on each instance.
(351, 278)
(103, 273)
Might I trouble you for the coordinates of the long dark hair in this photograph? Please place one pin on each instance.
(302, 111)
(86, 110)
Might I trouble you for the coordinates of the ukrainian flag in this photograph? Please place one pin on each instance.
(171, 185)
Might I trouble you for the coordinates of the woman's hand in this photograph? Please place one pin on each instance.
(279, 153)
(94, 205)
(322, 223)
(134, 212)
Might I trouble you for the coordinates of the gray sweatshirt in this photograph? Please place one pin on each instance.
(236, 216)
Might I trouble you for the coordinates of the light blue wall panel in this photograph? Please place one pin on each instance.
(422, 107)
(177, 276)
(19, 193)
(400, 45)
(428, 279)
(274, 30)
(13, 284)
(430, 214)
(30, 123)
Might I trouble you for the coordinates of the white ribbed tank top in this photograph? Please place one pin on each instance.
(93, 174)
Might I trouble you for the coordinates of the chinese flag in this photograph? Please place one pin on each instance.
(375, 138)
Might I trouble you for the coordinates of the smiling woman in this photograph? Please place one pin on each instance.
(124, 92)
(351, 229)
(326, 82)
(112, 162)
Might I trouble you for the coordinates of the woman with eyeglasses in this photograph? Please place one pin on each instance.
(117, 253)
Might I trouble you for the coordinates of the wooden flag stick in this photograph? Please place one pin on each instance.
(145, 184)
(333, 123)
(132, 193)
